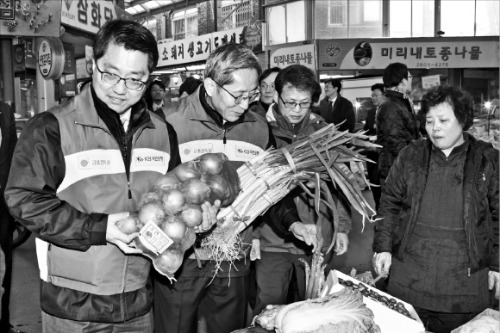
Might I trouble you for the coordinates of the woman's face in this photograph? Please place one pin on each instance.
(443, 128)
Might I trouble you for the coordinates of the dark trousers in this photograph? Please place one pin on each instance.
(176, 304)
(274, 273)
(6, 231)
(442, 322)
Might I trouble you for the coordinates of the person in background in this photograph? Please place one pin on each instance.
(336, 109)
(215, 118)
(267, 89)
(278, 254)
(396, 122)
(189, 86)
(439, 230)
(8, 139)
(372, 168)
(154, 97)
(74, 174)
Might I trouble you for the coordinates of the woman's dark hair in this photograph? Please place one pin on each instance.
(299, 77)
(268, 72)
(130, 35)
(460, 101)
(394, 73)
(189, 85)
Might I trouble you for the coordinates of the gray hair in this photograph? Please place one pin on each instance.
(228, 58)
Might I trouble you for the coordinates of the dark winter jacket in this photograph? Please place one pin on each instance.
(342, 110)
(274, 239)
(73, 166)
(405, 186)
(201, 130)
(396, 127)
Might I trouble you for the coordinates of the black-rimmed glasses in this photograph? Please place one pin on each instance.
(293, 105)
(239, 99)
(113, 79)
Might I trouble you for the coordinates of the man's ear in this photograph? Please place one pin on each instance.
(210, 86)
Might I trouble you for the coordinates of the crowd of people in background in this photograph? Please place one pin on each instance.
(435, 190)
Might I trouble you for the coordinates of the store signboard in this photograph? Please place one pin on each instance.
(430, 81)
(301, 55)
(195, 49)
(90, 15)
(19, 58)
(440, 53)
(51, 58)
(30, 18)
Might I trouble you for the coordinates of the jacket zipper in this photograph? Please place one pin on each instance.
(224, 140)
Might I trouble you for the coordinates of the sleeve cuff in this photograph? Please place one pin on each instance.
(97, 235)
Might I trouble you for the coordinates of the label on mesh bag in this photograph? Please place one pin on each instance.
(154, 238)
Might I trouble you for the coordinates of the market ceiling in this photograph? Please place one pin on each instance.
(139, 8)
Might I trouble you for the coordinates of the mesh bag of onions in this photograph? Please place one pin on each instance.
(170, 211)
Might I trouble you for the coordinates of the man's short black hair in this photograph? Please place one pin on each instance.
(395, 73)
(378, 86)
(336, 83)
(129, 34)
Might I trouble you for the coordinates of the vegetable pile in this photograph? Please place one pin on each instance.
(169, 213)
(265, 180)
(343, 311)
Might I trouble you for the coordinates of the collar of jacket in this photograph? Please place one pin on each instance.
(211, 115)
(103, 116)
(281, 123)
(395, 94)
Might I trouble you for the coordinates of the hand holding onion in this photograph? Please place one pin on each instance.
(117, 237)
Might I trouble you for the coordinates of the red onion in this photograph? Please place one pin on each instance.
(174, 228)
(187, 171)
(173, 201)
(195, 191)
(151, 211)
(192, 215)
(169, 180)
(211, 163)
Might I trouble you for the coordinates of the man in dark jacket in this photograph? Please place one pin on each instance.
(396, 121)
(80, 167)
(215, 118)
(335, 108)
(8, 139)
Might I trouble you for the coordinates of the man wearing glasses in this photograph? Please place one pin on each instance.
(266, 84)
(281, 257)
(80, 167)
(215, 118)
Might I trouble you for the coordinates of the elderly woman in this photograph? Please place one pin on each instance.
(439, 211)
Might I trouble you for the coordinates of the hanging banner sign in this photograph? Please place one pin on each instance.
(90, 15)
(300, 55)
(195, 49)
(30, 18)
(51, 58)
(453, 52)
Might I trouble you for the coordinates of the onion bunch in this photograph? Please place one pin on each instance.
(168, 214)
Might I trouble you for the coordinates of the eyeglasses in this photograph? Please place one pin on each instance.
(293, 105)
(239, 99)
(264, 86)
(113, 79)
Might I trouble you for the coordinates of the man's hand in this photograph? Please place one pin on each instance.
(255, 251)
(306, 233)
(494, 282)
(118, 238)
(342, 243)
(382, 262)
(209, 216)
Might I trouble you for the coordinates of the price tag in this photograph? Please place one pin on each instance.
(154, 238)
